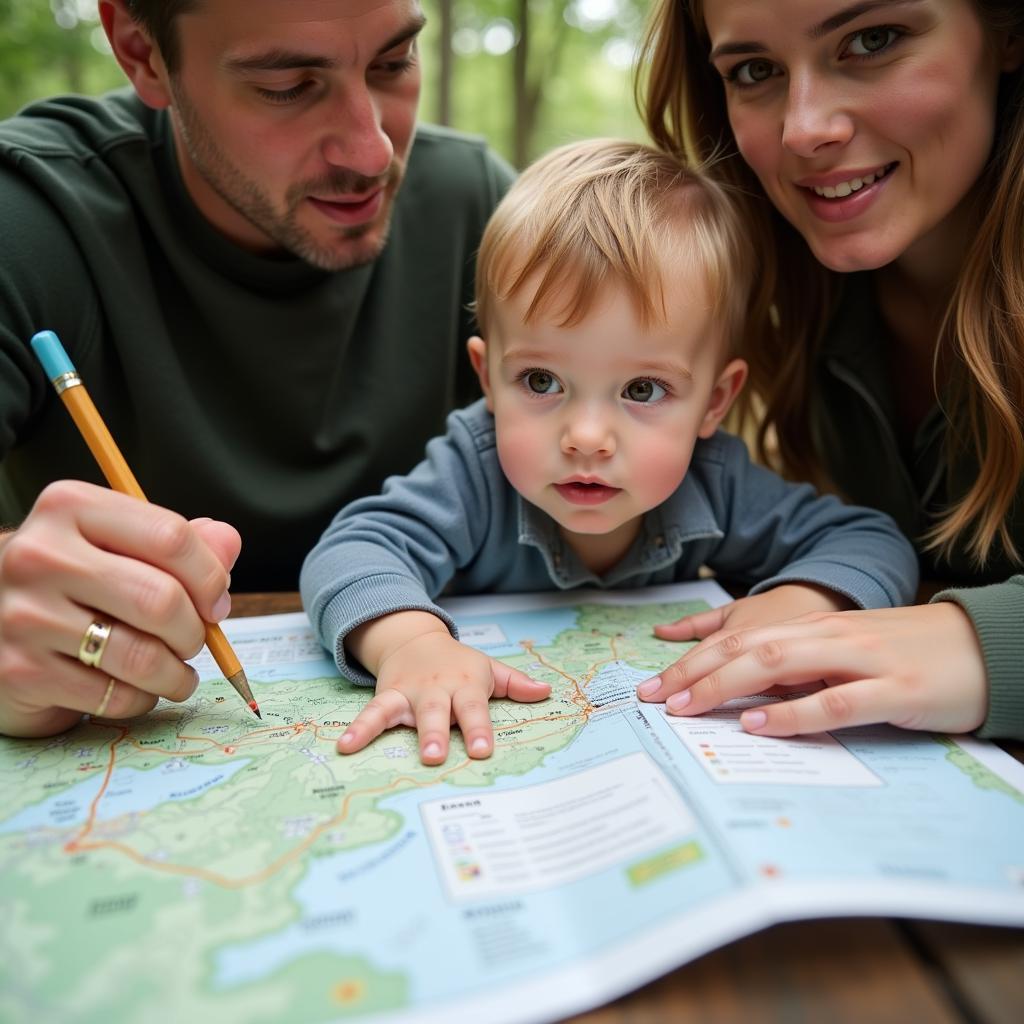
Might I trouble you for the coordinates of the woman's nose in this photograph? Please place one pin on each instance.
(817, 115)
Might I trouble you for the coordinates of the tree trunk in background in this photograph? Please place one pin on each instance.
(522, 127)
(529, 89)
(444, 84)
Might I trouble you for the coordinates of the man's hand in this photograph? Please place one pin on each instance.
(86, 555)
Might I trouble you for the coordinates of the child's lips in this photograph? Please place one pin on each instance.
(578, 492)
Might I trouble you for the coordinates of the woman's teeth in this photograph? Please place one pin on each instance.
(844, 188)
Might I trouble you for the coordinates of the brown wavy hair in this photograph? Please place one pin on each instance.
(682, 101)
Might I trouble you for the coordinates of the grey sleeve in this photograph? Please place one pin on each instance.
(778, 532)
(396, 551)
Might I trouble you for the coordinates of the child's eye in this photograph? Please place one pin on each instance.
(643, 389)
(540, 382)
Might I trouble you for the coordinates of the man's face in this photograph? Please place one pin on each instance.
(294, 118)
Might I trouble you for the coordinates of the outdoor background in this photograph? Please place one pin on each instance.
(527, 74)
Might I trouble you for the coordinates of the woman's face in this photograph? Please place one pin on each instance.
(867, 123)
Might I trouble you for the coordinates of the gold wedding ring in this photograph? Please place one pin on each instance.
(94, 643)
(98, 713)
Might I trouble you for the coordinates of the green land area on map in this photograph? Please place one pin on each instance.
(160, 841)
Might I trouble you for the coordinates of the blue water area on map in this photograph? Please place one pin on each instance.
(926, 822)
(129, 791)
(348, 903)
(541, 627)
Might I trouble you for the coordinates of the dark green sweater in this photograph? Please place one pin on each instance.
(252, 389)
(854, 416)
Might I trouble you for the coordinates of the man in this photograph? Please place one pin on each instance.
(261, 269)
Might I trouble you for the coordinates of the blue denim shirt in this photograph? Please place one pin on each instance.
(455, 525)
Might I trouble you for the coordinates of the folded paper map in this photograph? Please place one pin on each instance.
(197, 864)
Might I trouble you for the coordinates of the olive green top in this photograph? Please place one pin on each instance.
(912, 479)
(253, 389)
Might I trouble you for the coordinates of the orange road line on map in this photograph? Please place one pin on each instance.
(90, 821)
(78, 844)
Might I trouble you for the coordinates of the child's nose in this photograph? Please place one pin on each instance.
(588, 432)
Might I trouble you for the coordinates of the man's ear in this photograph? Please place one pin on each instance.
(136, 53)
(729, 384)
(477, 349)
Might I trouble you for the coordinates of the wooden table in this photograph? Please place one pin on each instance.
(834, 971)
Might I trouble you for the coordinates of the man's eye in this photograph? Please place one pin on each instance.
(284, 95)
(643, 390)
(540, 382)
(752, 72)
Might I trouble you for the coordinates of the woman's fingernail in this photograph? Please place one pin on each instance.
(678, 701)
(432, 750)
(753, 719)
(646, 689)
(221, 607)
(346, 739)
(479, 745)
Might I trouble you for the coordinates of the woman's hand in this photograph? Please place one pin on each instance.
(779, 604)
(919, 668)
(86, 559)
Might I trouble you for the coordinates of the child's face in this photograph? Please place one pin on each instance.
(596, 423)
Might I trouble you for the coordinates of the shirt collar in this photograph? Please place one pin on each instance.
(684, 517)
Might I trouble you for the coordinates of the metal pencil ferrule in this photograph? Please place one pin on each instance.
(65, 381)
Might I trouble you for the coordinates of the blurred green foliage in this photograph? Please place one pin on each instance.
(579, 63)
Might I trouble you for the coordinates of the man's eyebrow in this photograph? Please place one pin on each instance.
(279, 59)
(823, 28)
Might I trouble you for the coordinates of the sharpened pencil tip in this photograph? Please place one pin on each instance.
(256, 709)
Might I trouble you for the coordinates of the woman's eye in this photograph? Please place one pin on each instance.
(752, 72)
(643, 390)
(871, 41)
(540, 382)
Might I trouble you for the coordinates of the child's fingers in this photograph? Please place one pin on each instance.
(473, 713)
(510, 682)
(384, 711)
(433, 710)
(693, 627)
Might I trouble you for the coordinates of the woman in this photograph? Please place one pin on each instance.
(878, 149)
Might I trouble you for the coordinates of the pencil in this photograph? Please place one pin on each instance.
(69, 386)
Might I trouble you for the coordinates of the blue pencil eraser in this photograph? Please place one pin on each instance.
(51, 354)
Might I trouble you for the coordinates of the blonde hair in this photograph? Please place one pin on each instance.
(605, 209)
(683, 104)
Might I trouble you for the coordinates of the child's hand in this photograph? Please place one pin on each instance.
(427, 679)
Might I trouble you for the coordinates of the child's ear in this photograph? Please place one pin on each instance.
(729, 384)
(477, 349)
(139, 58)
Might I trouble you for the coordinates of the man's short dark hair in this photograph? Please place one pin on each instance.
(157, 18)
